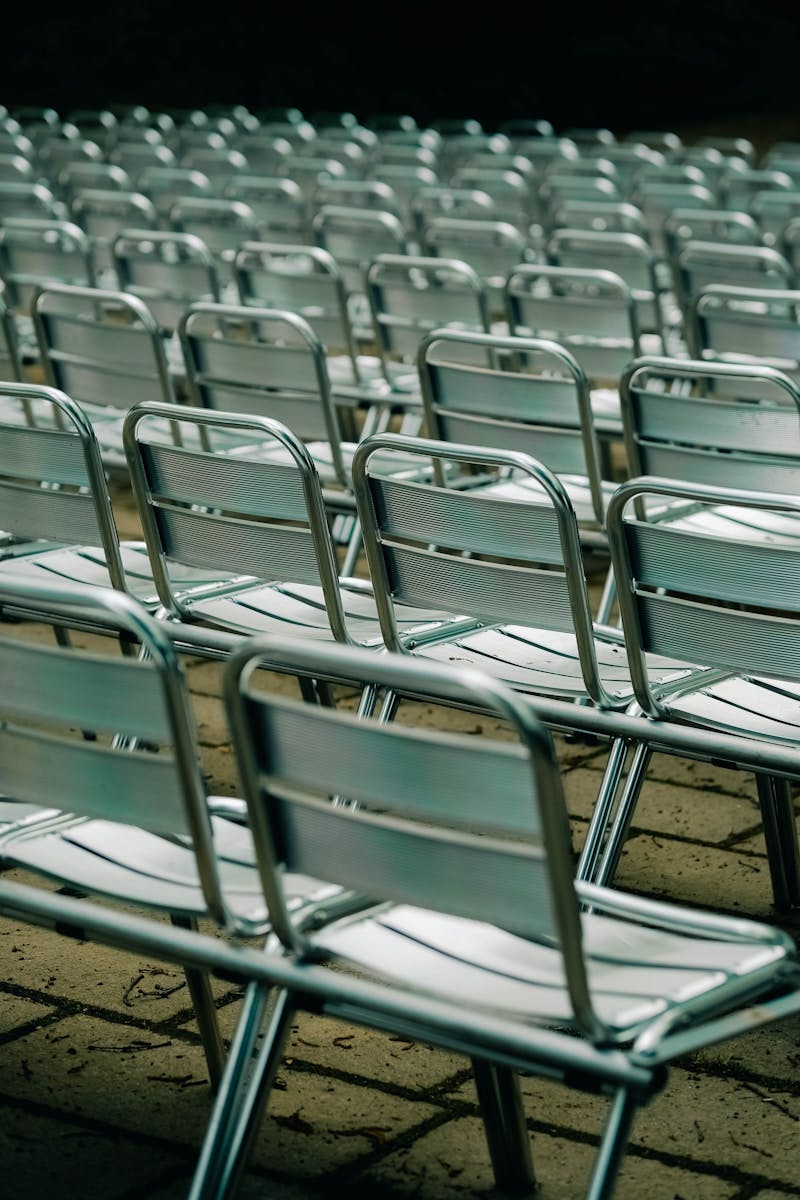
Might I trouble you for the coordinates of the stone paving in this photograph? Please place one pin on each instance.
(104, 1094)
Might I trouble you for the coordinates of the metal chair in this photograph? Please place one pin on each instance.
(99, 755)
(255, 522)
(741, 324)
(105, 350)
(725, 599)
(478, 943)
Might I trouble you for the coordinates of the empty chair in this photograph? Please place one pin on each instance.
(307, 280)
(731, 324)
(727, 602)
(105, 350)
(538, 404)
(410, 296)
(257, 519)
(773, 210)
(354, 237)
(439, 201)
(591, 313)
(685, 225)
(627, 255)
(265, 154)
(601, 215)
(492, 249)
(737, 188)
(657, 200)
(700, 264)
(165, 185)
(168, 271)
(76, 177)
(222, 224)
(103, 214)
(278, 205)
(29, 200)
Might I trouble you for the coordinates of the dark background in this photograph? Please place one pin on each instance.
(671, 64)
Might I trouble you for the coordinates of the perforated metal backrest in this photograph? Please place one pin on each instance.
(745, 324)
(703, 422)
(52, 484)
(411, 295)
(168, 271)
(592, 313)
(712, 598)
(99, 346)
(53, 696)
(259, 515)
(35, 252)
(539, 404)
(421, 832)
(268, 362)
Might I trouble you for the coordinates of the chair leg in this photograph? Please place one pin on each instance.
(205, 1010)
(506, 1131)
(230, 1095)
(241, 1131)
(612, 1146)
(780, 836)
(612, 850)
(603, 810)
(607, 599)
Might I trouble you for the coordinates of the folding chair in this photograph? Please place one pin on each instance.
(105, 350)
(727, 600)
(256, 523)
(478, 943)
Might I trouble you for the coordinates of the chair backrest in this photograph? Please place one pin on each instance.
(491, 248)
(35, 252)
(773, 210)
(29, 200)
(53, 695)
(104, 214)
(52, 483)
(260, 516)
(747, 324)
(168, 271)
(354, 237)
(591, 313)
(409, 296)
(164, 185)
(738, 187)
(600, 215)
(700, 264)
(418, 832)
(684, 225)
(100, 347)
(264, 361)
(706, 422)
(713, 598)
(222, 224)
(302, 279)
(278, 205)
(432, 542)
(539, 405)
(626, 254)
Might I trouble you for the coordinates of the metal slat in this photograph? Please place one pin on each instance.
(34, 512)
(48, 454)
(260, 489)
(269, 552)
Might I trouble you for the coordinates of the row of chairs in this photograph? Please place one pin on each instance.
(366, 845)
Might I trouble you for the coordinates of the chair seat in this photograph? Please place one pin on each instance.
(635, 973)
(299, 610)
(747, 707)
(85, 564)
(124, 861)
(547, 663)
